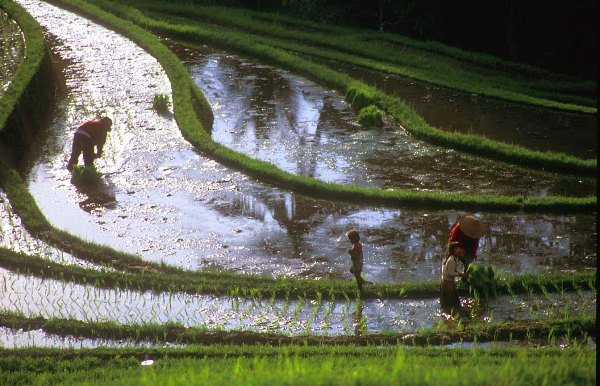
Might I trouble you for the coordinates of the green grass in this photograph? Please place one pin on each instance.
(161, 278)
(85, 175)
(299, 365)
(161, 103)
(262, 49)
(426, 61)
(370, 117)
(35, 55)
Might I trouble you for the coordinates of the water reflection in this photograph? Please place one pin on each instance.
(12, 338)
(99, 194)
(532, 127)
(174, 205)
(305, 129)
(51, 298)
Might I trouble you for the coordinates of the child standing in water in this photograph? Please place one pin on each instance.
(356, 256)
(449, 301)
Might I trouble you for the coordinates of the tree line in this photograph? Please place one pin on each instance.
(557, 35)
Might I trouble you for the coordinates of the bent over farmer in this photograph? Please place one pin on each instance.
(87, 136)
(467, 231)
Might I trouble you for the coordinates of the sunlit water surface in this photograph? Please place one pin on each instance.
(306, 129)
(51, 298)
(160, 199)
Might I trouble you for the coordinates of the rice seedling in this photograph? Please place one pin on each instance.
(370, 117)
(86, 175)
(161, 103)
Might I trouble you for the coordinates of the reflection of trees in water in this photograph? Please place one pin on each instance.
(297, 215)
(274, 105)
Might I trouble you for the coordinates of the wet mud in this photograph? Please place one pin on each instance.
(163, 201)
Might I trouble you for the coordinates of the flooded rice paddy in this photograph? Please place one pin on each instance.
(160, 199)
(51, 298)
(532, 127)
(306, 129)
(15, 237)
(12, 48)
(13, 338)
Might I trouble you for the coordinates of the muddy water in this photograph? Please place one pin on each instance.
(532, 127)
(161, 200)
(51, 298)
(11, 50)
(305, 129)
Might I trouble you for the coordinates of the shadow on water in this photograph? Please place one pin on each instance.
(99, 193)
(305, 129)
(174, 205)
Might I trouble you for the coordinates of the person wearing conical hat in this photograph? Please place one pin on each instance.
(467, 231)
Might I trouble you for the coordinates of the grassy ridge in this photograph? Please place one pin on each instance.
(261, 48)
(300, 365)
(571, 328)
(436, 64)
(34, 56)
(259, 286)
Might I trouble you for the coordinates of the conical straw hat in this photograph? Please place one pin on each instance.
(473, 226)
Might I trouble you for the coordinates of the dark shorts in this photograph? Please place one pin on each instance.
(82, 144)
(449, 300)
(356, 268)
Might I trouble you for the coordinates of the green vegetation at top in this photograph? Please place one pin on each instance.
(263, 49)
(35, 52)
(161, 103)
(430, 62)
(300, 365)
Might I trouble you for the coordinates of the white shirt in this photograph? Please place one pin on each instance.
(450, 268)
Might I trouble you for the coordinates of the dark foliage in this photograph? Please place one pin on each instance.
(557, 35)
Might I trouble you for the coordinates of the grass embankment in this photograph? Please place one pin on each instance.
(141, 274)
(173, 280)
(425, 61)
(23, 105)
(300, 365)
(267, 172)
(34, 220)
(35, 50)
(567, 329)
(263, 49)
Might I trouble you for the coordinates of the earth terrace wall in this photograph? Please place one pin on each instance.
(188, 100)
(281, 55)
(24, 106)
